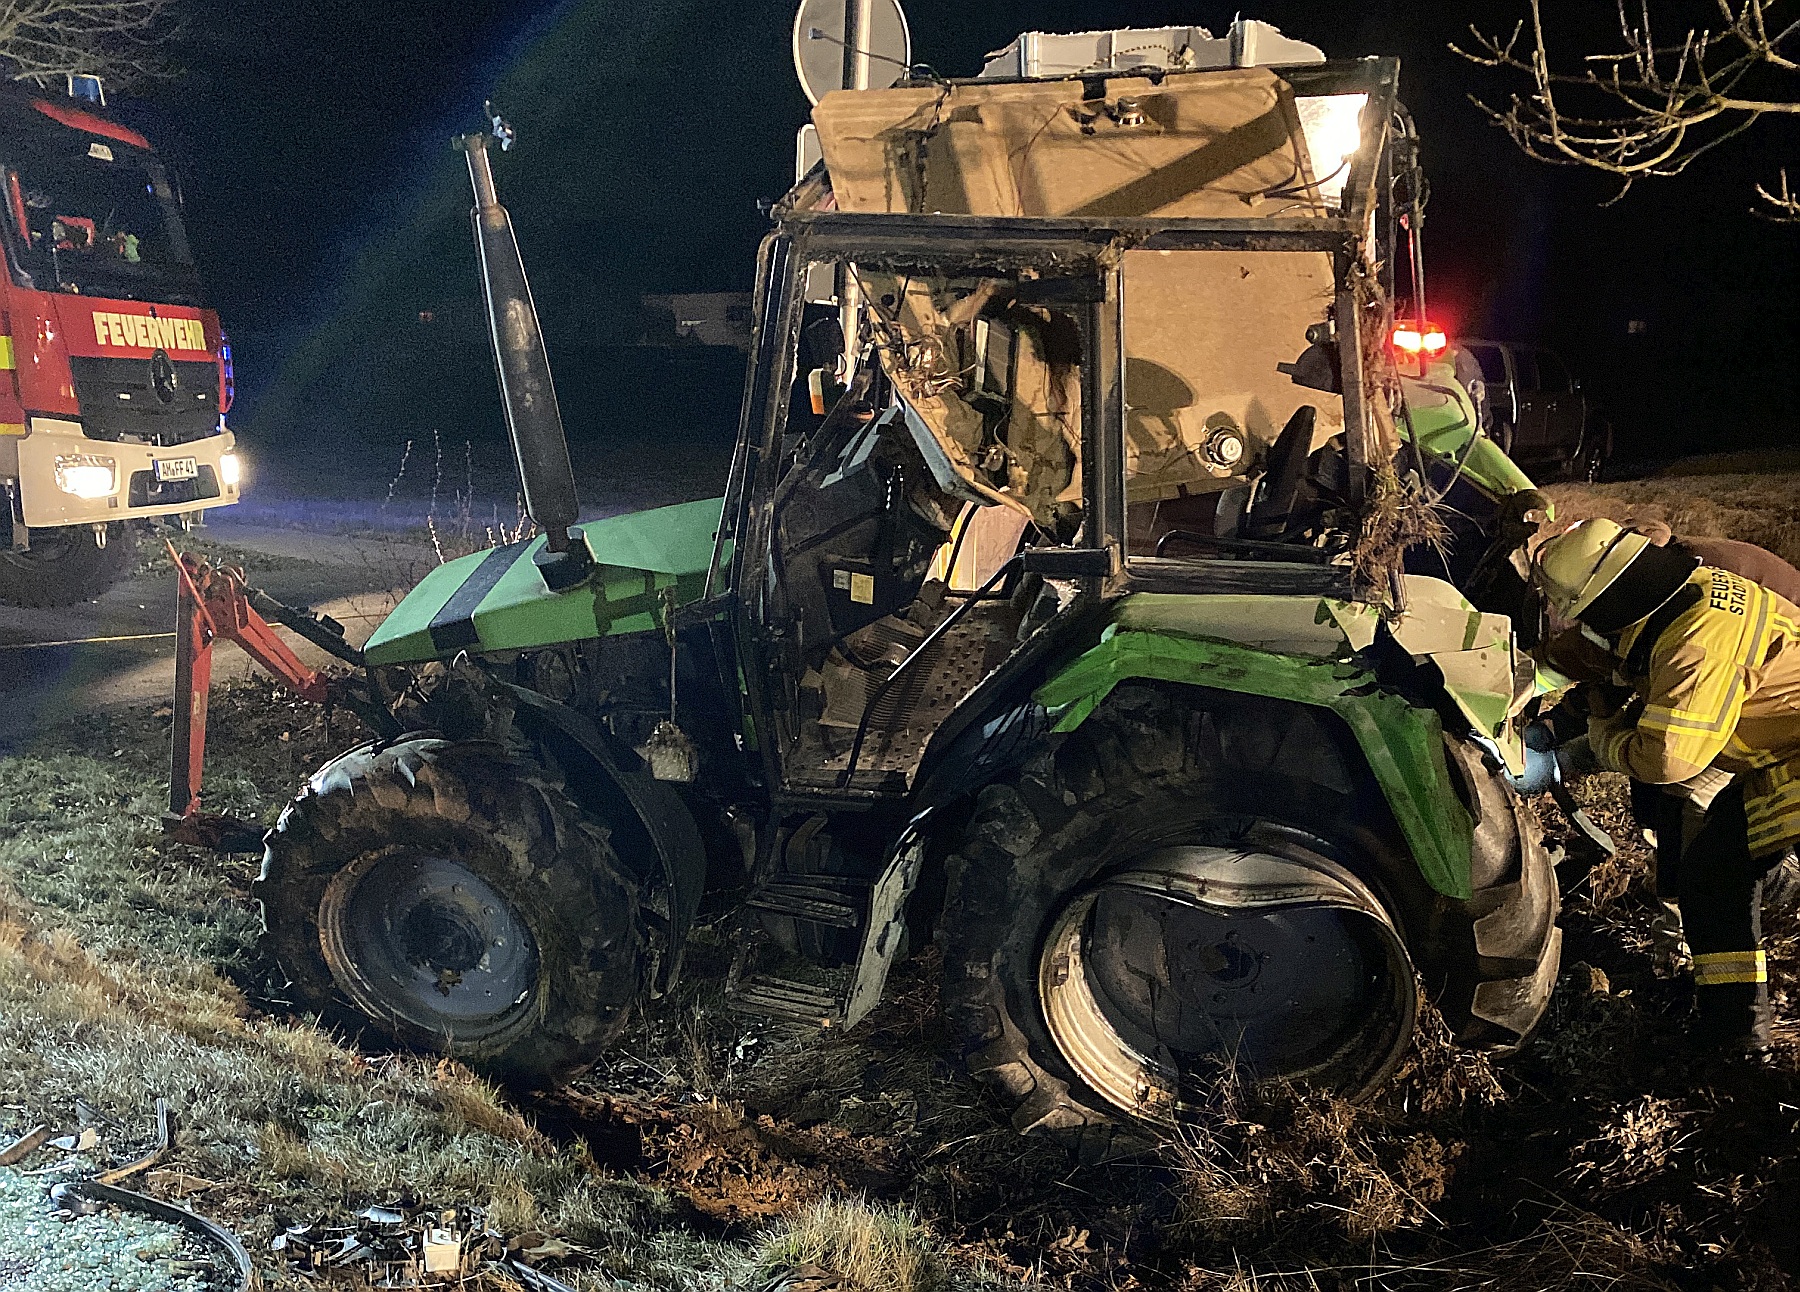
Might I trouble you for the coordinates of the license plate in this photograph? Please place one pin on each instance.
(177, 468)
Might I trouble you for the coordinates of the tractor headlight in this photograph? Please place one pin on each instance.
(231, 469)
(87, 476)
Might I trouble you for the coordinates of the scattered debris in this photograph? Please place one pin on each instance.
(535, 1280)
(86, 1140)
(25, 1145)
(93, 1193)
(85, 1243)
(164, 1142)
(406, 1244)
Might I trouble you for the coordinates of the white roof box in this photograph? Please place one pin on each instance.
(1248, 43)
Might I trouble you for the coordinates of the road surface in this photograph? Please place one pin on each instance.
(51, 666)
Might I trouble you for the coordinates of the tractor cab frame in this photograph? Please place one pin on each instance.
(855, 494)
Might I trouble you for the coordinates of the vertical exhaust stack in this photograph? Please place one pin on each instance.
(532, 417)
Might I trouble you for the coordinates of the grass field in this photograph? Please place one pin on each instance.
(713, 1152)
(1753, 498)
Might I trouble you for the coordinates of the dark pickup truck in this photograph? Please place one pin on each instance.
(1535, 410)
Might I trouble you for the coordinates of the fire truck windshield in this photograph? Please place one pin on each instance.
(102, 223)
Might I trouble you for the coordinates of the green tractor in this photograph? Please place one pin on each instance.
(1079, 598)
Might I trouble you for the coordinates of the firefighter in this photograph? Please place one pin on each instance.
(1713, 662)
(1661, 808)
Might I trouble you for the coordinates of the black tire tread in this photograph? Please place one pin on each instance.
(85, 573)
(1033, 834)
(485, 803)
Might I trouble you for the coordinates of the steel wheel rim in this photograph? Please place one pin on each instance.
(1205, 930)
(422, 939)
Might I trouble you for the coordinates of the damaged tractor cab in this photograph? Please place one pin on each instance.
(1056, 609)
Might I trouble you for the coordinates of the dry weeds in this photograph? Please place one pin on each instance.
(869, 1248)
(1286, 1159)
(1752, 498)
(1395, 519)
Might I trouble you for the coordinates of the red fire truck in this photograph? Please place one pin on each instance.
(116, 379)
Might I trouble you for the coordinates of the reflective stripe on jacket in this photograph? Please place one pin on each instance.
(1722, 689)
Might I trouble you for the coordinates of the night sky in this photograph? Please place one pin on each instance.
(329, 211)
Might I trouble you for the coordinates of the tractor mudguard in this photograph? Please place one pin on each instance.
(1404, 744)
(496, 600)
(648, 819)
(1441, 415)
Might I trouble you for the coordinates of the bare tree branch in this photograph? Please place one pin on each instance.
(121, 40)
(1653, 108)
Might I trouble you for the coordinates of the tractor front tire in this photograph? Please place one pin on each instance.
(65, 566)
(1058, 880)
(455, 897)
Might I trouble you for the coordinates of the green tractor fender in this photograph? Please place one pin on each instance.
(1403, 744)
(652, 829)
(1294, 650)
(497, 601)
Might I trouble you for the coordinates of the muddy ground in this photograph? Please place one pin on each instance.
(713, 1151)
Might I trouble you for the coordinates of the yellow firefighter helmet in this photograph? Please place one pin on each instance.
(1582, 562)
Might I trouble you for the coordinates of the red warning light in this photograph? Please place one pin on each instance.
(1415, 339)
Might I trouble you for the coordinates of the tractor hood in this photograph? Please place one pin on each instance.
(496, 600)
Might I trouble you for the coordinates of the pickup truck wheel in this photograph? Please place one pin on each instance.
(453, 896)
(1590, 457)
(65, 566)
(1190, 890)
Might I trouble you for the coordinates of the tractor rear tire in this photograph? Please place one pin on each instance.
(1156, 771)
(65, 566)
(455, 897)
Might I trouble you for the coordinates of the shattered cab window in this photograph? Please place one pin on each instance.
(905, 489)
(986, 373)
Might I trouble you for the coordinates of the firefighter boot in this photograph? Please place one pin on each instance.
(1721, 907)
(1731, 998)
(1731, 971)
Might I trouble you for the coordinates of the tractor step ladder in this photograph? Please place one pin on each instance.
(877, 910)
(817, 903)
(787, 999)
(827, 901)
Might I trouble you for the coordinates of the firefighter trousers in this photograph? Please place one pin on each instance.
(1703, 864)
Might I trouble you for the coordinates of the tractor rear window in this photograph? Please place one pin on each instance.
(102, 222)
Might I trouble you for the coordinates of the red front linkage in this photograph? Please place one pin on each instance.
(213, 603)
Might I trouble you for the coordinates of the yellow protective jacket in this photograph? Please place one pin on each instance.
(1722, 689)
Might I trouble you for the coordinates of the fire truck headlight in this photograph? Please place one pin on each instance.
(87, 476)
(231, 469)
